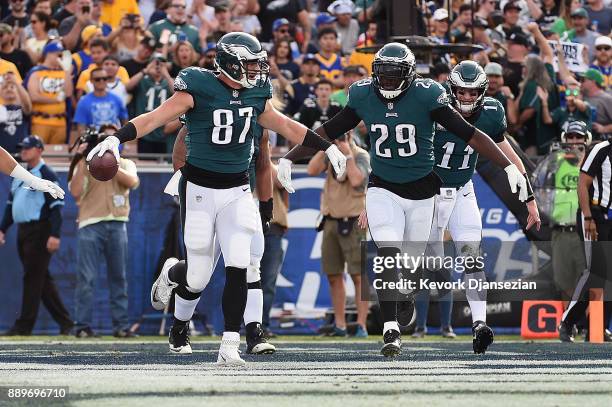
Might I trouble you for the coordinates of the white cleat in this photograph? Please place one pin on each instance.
(162, 287)
(228, 354)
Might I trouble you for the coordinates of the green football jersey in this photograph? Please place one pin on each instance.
(400, 130)
(455, 159)
(148, 95)
(220, 124)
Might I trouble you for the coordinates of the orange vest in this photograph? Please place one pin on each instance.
(50, 83)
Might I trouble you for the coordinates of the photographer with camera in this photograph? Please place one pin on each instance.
(104, 208)
(154, 78)
(342, 201)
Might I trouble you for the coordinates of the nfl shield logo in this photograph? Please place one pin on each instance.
(235, 93)
(198, 199)
(390, 105)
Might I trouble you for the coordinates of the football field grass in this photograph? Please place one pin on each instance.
(314, 372)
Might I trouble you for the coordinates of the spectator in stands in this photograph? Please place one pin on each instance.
(19, 17)
(125, 39)
(603, 60)
(99, 107)
(49, 85)
(538, 72)
(303, 87)
(41, 24)
(600, 16)
(564, 22)
(331, 63)
(114, 84)
(461, 25)
(141, 59)
(39, 219)
(151, 87)
(104, 209)
(18, 58)
(240, 14)
(99, 50)
(224, 22)
(15, 108)
(68, 9)
(580, 33)
(41, 6)
(485, 8)
(342, 201)
(517, 51)
(183, 57)
(351, 74)
(274, 253)
(315, 112)
(545, 14)
(440, 72)
(439, 27)
(208, 59)
(512, 10)
(176, 23)
(499, 91)
(281, 30)
(368, 37)
(281, 56)
(346, 26)
(575, 109)
(293, 10)
(72, 28)
(113, 11)
(201, 15)
(601, 101)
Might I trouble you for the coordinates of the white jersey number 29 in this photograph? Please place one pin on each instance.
(404, 134)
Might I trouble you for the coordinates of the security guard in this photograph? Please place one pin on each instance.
(39, 219)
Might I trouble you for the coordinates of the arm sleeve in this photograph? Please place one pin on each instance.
(55, 218)
(346, 119)
(452, 121)
(596, 157)
(7, 219)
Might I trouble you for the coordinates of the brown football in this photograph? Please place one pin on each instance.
(103, 168)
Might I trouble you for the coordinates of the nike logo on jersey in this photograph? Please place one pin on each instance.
(245, 189)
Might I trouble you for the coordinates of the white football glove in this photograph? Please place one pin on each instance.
(517, 182)
(284, 174)
(337, 159)
(38, 184)
(51, 188)
(111, 143)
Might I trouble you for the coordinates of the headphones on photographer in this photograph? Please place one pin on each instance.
(588, 135)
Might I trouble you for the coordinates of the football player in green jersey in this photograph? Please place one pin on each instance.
(456, 206)
(216, 201)
(260, 178)
(399, 110)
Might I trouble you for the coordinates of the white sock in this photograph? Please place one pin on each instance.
(231, 336)
(183, 309)
(479, 310)
(254, 306)
(391, 325)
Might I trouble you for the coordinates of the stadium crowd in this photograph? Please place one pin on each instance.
(66, 66)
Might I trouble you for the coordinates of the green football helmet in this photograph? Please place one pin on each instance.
(242, 59)
(393, 69)
(468, 75)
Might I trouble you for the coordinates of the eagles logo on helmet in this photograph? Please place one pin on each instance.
(242, 59)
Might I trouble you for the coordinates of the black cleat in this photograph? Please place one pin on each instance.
(482, 337)
(406, 313)
(393, 343)
(257, 344)
(566, 333)
(86, 332)
(178, 338)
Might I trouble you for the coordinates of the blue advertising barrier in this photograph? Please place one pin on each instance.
(300, 288)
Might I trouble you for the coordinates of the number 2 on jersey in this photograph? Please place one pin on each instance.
(404, 133)
(223, 119)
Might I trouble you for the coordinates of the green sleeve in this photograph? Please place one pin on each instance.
(530, 97)
(438, 97)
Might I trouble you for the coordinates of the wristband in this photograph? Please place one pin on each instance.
(530, 196)
(266, 208)
(127, 133)
(313, 140)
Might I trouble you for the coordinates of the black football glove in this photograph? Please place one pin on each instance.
(265, 211)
